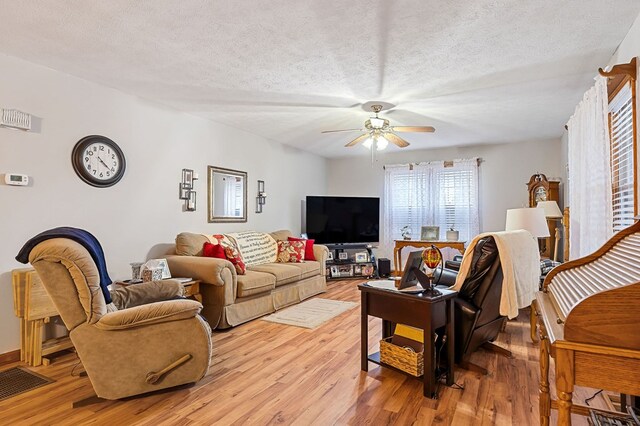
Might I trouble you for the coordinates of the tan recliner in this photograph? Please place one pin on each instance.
(141, 342)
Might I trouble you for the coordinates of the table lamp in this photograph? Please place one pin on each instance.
(530, 219)
(552, 212)
(432, 256)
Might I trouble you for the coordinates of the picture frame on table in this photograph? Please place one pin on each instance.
(343, 255)
(362, 257)
(161, 263)
(429, 233)
(330, 255)
(367, 270)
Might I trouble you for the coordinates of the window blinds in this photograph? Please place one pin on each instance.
(622, 158)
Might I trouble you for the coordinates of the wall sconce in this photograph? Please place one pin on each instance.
(186, 191)
(261, 199)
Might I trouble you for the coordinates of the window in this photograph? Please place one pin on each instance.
(623, 154)
(439, 194)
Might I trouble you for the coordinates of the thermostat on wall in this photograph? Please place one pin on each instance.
(16, 179)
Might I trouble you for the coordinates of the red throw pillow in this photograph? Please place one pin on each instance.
(213, 250)
(290, 251)
(308, 249)
(233, 256)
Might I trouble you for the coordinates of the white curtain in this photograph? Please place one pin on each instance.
(590, 199)
(430, 194)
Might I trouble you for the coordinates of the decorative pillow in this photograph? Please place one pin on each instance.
(231, 253)
(213, 250)
(290, 251)
(308, 249)
(213, 239)
(233, 256)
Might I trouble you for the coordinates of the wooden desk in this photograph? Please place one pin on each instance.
(400, 244)
(417, 310)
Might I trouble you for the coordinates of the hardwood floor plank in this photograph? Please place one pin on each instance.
(268, 373)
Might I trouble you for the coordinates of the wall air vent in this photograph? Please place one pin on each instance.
(15, 119)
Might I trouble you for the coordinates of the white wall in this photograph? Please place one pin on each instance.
(629, 47)
(142, 210)
(504, 174)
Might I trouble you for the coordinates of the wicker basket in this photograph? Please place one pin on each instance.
(401, 358)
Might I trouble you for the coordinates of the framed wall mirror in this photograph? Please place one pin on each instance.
(227, 193)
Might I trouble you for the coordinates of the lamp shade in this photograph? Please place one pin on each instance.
(529, 219)
(551, 209)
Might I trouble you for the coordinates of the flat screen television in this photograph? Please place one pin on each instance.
(343, 220)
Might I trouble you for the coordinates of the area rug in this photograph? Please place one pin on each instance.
(15, 381)
(312, 313)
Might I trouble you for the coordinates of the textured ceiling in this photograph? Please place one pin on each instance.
(481, 71)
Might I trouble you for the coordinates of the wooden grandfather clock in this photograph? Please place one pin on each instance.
(542, 189)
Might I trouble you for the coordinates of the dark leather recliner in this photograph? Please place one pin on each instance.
(477, 306)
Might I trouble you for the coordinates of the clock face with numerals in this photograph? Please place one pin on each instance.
(98, 161)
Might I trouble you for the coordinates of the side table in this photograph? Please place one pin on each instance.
(192, 289)
(424, 310)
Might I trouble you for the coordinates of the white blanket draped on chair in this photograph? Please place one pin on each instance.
(520, 261)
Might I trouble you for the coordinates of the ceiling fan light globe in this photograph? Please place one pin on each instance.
(367, 143)
(381, 143)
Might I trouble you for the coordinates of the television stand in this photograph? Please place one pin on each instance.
(351, 261)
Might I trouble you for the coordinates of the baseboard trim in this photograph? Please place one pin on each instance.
(8, 357)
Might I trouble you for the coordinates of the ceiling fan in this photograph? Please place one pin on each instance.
(379, 133)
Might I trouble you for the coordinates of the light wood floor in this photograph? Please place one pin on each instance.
(267, 373)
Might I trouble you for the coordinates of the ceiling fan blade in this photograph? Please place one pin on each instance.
(344, 130)
(427, 129)
(396, 140)
(357, 140)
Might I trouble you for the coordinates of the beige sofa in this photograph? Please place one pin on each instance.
(230, 299)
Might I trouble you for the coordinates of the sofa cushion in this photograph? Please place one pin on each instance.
(308, 268)
(281, 235)
(190, 244)
(254, 282)
(283, 273)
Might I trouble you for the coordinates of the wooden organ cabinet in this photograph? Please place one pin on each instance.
(588, 313)
(542, 189)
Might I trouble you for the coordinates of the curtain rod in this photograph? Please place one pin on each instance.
(479, 160)
(628, 69)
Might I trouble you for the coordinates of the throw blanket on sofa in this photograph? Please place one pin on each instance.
(520, 260)
(82, 237)
(255, 248)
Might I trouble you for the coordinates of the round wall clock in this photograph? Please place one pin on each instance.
(98, 161)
